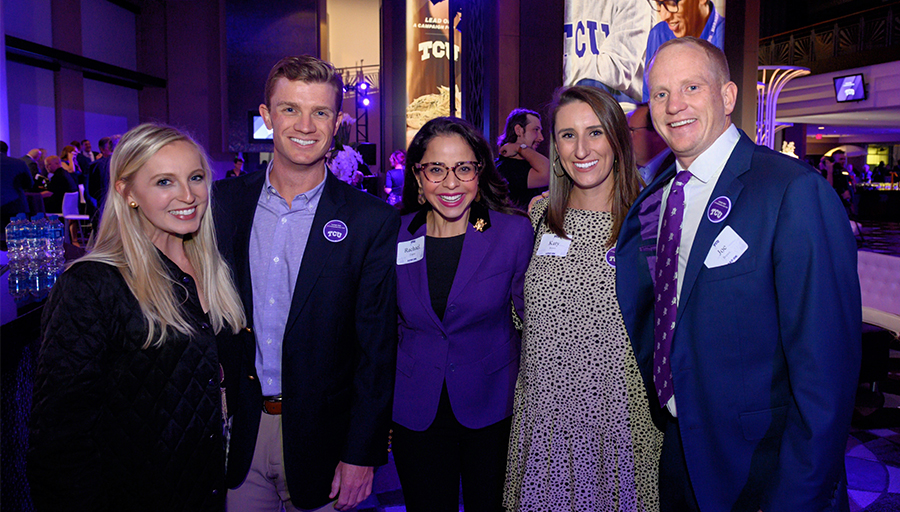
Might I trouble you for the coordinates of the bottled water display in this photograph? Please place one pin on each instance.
(36, 255)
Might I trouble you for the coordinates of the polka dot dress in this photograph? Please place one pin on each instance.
(582, 438)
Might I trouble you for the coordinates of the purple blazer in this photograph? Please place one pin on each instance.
(476, 347)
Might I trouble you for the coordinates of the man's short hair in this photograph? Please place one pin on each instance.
(238, 159)
(309, 69)
(719, 64)
(518, 117)
(102, 143)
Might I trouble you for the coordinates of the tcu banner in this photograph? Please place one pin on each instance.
(428, 62)
(608, 42)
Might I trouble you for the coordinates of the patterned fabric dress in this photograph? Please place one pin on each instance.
(582, 438)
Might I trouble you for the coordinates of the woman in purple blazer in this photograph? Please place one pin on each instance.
(462, 253)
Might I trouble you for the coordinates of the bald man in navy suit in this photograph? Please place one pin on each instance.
(755, 372)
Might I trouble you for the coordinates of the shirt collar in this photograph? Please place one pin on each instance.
(711, 162)
(308, 199)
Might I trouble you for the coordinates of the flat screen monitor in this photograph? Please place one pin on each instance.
(849, 88)
(258, 130)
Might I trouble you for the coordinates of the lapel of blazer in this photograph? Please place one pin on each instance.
(318, 248)
(476, 246)
(243, 203)
(730, 186)
(417, 274)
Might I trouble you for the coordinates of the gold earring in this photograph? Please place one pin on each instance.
(554, 166)
(133, 205)
(421, 196)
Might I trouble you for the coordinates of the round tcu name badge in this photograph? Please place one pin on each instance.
(611, 257)
(719, 209)
(335, 231)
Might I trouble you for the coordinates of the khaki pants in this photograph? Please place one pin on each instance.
(265, 489)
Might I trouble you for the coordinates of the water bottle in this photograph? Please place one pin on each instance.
(18, 275)
(35, 236)
(57, 237)
(14, 239)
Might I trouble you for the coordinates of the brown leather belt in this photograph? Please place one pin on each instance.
(272, 404)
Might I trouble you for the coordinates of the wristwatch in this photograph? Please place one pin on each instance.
(522, 146)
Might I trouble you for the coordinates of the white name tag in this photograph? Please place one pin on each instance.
(726, 249)
(552, 245)
(411, 251)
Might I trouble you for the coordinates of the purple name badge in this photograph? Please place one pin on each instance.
(718, 209)
(335, 231)
(611, 257)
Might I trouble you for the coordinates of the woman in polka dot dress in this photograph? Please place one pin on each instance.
(582, 437)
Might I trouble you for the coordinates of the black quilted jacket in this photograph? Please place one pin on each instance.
(114, 426)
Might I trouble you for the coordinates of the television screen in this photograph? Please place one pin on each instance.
(849, 88)
(258, 130)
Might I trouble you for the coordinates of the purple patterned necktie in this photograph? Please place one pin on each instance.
(666, 286)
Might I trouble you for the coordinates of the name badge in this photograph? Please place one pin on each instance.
(411, 251)
(611, 257)
(552, 245)
(726, 249)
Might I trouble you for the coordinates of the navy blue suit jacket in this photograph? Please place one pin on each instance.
(476, 346)
(766, 350)
(340, 339)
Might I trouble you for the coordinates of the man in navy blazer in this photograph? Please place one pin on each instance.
(766, 345)
(310, 382)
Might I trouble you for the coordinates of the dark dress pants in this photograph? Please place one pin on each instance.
(430, 463)
(675, 491)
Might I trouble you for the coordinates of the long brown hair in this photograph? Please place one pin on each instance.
(626, 180)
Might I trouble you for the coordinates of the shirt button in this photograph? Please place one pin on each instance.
(268, 381)
(271, 301)
(204, 326)
(451, 308)
(443, 336)
(186, 279)
(276, 259)
(452, 367)
(269, 341)
(283, 220)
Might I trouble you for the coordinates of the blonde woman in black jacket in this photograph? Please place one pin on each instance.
(127, 401)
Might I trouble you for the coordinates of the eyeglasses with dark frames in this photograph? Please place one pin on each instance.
(436, 172)
(669, 5)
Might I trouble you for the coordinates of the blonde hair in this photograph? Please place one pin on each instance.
(122, 243)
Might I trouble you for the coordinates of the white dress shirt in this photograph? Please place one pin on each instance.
(705, 172)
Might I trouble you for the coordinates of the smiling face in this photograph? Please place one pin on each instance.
(302, 117)
(531, 133)
(171, 192)
(690, 105)
(688, 20)
(584, 150)
(451, 198)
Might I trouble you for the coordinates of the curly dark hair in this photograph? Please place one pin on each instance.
(494, 189)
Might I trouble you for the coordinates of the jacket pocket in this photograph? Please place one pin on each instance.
(744, 265)
(501, 357)
(405, 363)
(766, 423)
